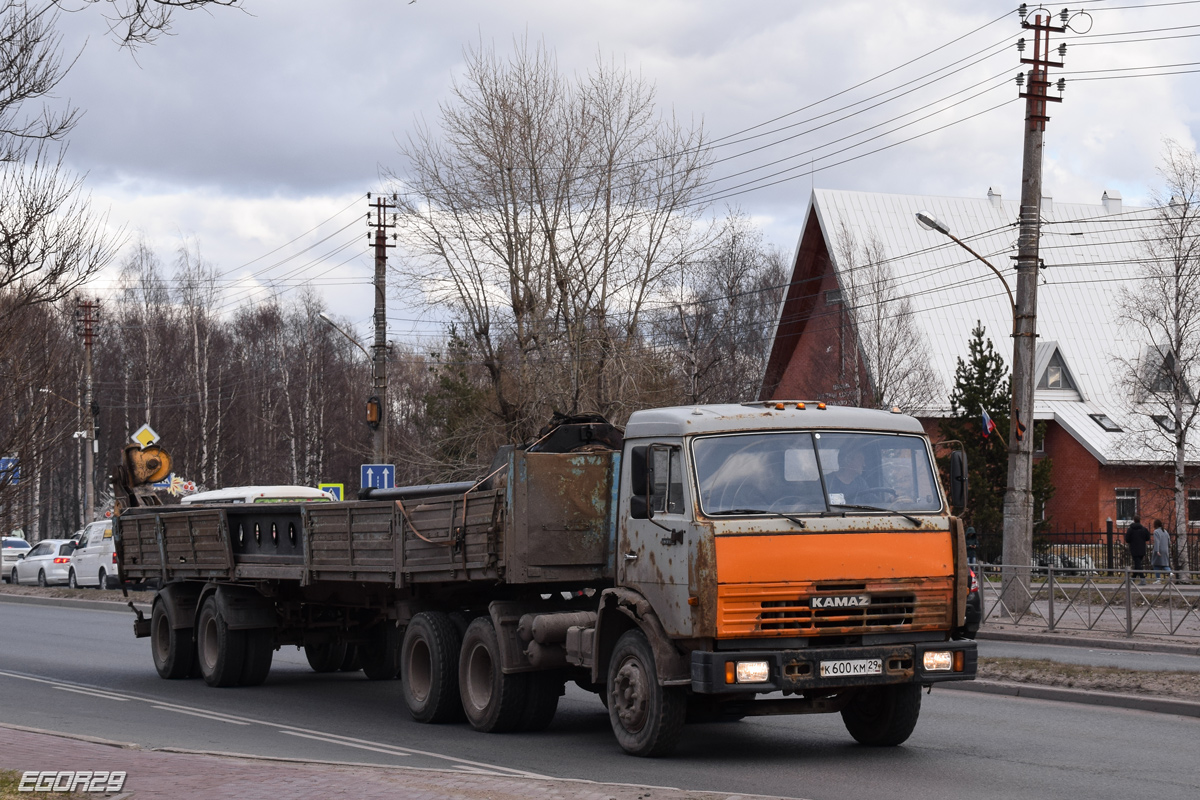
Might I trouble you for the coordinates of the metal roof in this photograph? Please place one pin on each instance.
(1089, 254)
(689, 420)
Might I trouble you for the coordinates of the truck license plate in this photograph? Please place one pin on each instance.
(853, 666)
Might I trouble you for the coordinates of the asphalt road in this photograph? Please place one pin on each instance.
(81, 671)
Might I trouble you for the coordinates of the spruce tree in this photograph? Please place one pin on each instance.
(982, 381)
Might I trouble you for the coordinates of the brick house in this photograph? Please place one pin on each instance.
(1096, 436)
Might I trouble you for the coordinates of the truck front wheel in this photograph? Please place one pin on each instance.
(883, 716)
(493, 702)
(646, 717)
(172, 649)
(221, 652)
(429, 668)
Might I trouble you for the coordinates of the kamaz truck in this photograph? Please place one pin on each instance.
(707, 562)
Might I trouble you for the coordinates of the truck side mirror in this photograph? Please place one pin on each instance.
(958, 481)
(639, 484)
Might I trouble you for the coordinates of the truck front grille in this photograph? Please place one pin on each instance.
(909, 604)
(796, 615)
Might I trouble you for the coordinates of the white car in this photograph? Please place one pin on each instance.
(11, 549)
(47, 562)
(94, 562)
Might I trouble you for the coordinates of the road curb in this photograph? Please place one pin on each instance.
(70, 602)
(1090, 642)
(1158, 705)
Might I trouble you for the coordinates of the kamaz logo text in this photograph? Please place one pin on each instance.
(843, 601)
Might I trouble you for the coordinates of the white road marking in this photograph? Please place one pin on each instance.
(333, 738)
(388, 750)
(93, 693)
(199, 714)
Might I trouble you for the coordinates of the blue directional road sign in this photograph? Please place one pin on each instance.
(377, 476)
(10, 472)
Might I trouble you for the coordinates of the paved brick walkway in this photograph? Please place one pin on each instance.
(156, 774)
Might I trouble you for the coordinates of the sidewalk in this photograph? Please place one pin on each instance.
(172, 775)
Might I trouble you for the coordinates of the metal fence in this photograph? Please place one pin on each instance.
(1125, 602)
(1083, 550)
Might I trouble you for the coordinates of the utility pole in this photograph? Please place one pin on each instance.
(377, 403)
(1018, 498)
(87, 314)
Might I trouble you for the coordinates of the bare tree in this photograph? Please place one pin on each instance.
(545, 213)
(1163, 311)
(894, 352)
(137, 22)
(720, 330)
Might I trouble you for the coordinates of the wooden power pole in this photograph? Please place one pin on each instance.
(87, 314)
(377, 403)
(1018, 498)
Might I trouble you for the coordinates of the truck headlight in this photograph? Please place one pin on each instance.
(753, 671)
(938, 661)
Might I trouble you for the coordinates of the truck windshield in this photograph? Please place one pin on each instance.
(801, 472)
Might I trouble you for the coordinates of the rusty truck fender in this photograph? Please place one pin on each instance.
(180, 601)
(622, 609)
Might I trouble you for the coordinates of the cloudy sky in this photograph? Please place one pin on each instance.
(257, 133)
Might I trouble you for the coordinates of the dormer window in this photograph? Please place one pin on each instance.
(1056, 375)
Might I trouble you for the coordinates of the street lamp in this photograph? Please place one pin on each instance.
(375, 417)
(91, 449)
(1018, 497)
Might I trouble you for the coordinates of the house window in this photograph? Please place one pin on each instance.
(1164, 422)
(1127, 505)
(833, 297)
(1104, 422)
(1193, 507)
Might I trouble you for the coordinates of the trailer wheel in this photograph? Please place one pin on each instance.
(380, 658)
(325, 657)
(646, 717)
(353, 661)
(883, 716)
(541, 704)
(492, 701)
(172, 649)
(221, 652)
(429, 668)
(260, 649)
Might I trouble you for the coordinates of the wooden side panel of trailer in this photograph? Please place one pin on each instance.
(452, 537)
(350, 542)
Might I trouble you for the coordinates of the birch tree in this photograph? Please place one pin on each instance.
(1162, 311)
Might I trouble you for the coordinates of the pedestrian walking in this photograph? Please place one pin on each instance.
(1160, 552)
(1137, 537)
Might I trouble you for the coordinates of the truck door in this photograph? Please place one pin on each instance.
(653, 552)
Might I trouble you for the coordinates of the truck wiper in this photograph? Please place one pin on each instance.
(908, 517)
(779, 514)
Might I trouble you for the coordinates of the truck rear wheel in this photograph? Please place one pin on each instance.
(221, 652)
(325, 657)
(260, 649)
(541, 703)
(883, 716)
(492, 701)
(646, 717)
(172, 649)
(429, 668)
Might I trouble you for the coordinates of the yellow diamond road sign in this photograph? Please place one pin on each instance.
(145, 436)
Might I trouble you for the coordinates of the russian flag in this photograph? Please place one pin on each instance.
(988, 425)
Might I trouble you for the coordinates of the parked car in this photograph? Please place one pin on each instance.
(11, 549)
(47, 562)
(95, 558)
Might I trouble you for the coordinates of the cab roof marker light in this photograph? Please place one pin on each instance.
(779, 406)
(800, 406)
(821, 406)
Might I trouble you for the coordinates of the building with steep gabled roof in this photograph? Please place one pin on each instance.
(1103, 468)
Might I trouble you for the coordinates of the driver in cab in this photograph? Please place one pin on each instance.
(847, 482)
